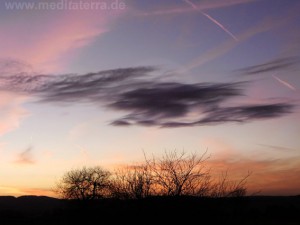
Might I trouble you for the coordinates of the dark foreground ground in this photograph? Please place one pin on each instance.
(159, 210)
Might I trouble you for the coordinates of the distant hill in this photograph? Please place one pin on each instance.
(29, 203)
(43, 210)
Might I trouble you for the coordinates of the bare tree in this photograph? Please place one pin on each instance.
(173, 174)
(202, 187)
(178, 173)
(132, 182)
(228, 188)
(84, 184)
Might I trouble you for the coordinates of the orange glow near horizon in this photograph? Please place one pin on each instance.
(267, 177)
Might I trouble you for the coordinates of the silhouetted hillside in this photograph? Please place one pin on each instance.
(154, 210)
(29, 203)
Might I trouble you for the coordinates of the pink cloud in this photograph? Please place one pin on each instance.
(25, 157)
(47, 40)
(11, 113)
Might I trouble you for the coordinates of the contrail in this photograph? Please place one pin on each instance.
(284, 83)
(211, 19)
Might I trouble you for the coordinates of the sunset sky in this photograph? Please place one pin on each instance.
(85, 86)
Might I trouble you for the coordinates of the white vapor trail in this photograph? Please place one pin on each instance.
(211, 19)
(284, 83)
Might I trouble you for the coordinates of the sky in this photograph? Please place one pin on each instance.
(85, 83)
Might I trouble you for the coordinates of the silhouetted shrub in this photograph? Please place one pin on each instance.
(84, 184)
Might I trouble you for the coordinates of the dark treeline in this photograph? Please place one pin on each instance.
(173, 174)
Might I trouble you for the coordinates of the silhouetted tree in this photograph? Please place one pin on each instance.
(173, 174)
(132, 182)
(179, 173)
(84, 184)
(228, 188)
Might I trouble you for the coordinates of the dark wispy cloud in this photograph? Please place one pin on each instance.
(279, 148)
(247, 113)
(11, 67)
(25, 157)
(172, 100)
(217, 115)
(71, 87)
(145, 100)
(272, 66)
